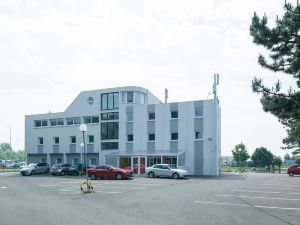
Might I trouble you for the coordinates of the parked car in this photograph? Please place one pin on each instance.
(15, 165)
(77, 169)
(60, 169)
(294, 170)
(107, 171)
(165, 170)
(2, 166)
(35, 168)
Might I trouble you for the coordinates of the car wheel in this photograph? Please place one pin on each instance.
(93, 176)
(151, 175)
(119, 176)
(62, 173)
(291, 174)
(175, 176)
(47, 170)
(32, 172)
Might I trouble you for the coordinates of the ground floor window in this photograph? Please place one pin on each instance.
(172, 160)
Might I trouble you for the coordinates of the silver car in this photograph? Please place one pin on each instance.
(35, 168)
(165, 170)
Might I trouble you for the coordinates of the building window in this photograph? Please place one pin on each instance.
(198, 135)
(91, 139)
(109, 130)
(109, 145)
(56, 122)
(73, 120)
(151, 116)
(40, 140)
(58, 161)
(174, 114)
(174, 136)
(73, 139)
(40, 123)
(129, 96)
(110, 101)
(151, 137)
(129, 117)
(75, 161)
(56, 140)
(93, 162)
(90, 119)
(110, 116)
(198, 112)
(130, 137)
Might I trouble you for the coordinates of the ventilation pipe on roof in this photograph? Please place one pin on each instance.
(166, 95)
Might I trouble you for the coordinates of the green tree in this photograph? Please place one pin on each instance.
(240, 154)
(262, 157)
(5, 147)
(283, 43)
(297, 160)
(277, 161)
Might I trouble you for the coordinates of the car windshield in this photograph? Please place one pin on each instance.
(74, 166)
(31, 165)
(55, 166)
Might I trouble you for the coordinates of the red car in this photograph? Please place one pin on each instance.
(294, 170)
(109, 172)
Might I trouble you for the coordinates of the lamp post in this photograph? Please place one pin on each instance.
(83, 129)
(81, 158)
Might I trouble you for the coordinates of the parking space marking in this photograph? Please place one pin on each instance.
(256, 197)
(243, 205)
(3, 187)
(252, 187)
(268, 192)
(296, 185)
(133, 188)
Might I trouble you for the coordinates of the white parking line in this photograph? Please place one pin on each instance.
(242, 205)
(269, 192)
(269, 188)
(255, 197)
(3, 187)
(133, 188)
(298, 185)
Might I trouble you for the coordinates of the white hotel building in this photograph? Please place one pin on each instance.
(129, 127)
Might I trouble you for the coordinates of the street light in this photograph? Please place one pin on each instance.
(81, 158)
(83, 129)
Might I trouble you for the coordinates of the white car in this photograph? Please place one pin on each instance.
(165, 170)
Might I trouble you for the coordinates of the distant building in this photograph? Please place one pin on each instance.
(129, 127)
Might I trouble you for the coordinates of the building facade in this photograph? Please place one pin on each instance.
(129, 127)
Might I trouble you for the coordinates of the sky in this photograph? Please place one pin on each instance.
(51, 50)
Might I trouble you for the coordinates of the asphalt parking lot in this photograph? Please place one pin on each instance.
(229, 199)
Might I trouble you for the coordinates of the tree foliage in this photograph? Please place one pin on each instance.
(5, 147)
(240, 153)
(7, 153)
(283, 43)
(262, 157)
(297, 160)
(277, 161)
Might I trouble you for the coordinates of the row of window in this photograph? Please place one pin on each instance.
(104, 116)
(90, 138)
(76, 120)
